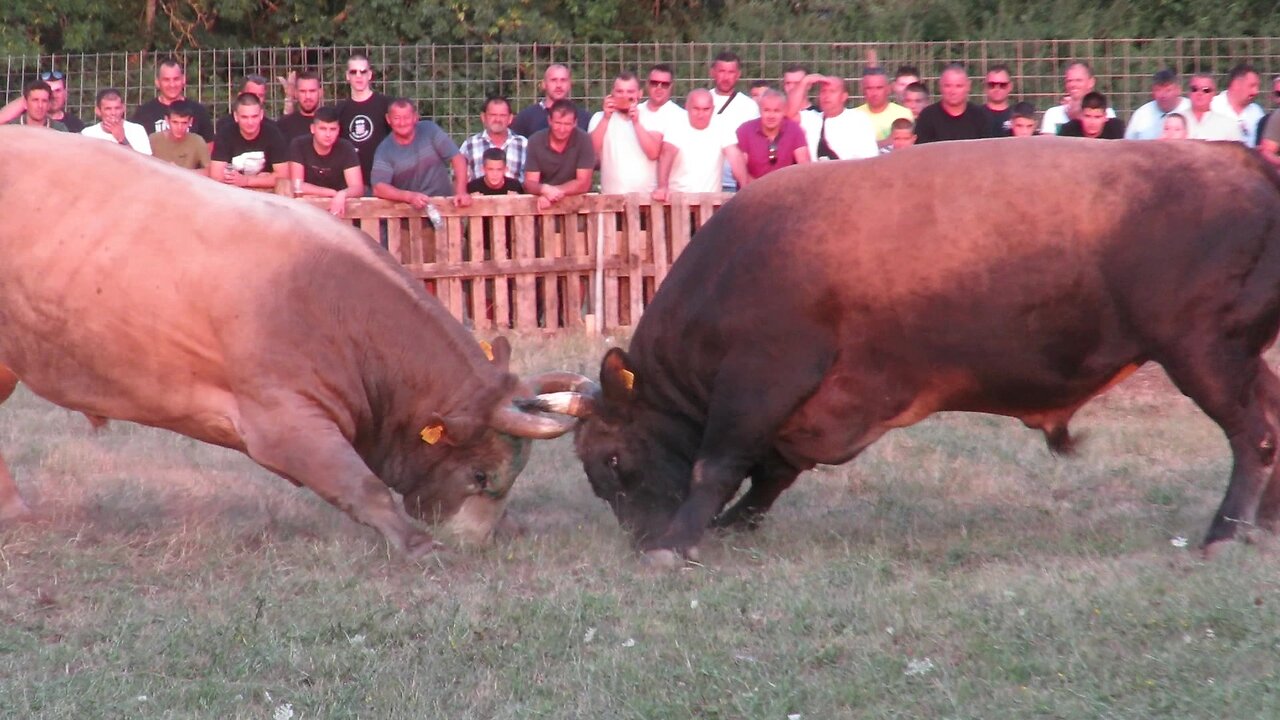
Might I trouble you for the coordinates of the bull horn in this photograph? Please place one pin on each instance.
(565, 393)
(514, 421)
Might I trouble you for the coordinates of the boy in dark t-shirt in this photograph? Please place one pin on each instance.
(321, 164)
(494, 181)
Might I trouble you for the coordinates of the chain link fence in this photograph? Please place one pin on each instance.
(449, 82)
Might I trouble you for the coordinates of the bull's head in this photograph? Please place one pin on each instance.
(475, 458)
(636, 460)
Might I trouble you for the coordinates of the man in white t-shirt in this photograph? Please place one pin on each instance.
(628, 150)
(1147, 122)
(658, 112)
(732, 107)
(834, 131)
(111, 125)
(1202, 122)
(694, 152)
(1236, 102)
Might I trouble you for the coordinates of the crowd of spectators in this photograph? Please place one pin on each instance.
(639, 138)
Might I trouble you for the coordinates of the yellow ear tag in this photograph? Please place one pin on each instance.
(628, 378)
(488, 349)
(431, 434)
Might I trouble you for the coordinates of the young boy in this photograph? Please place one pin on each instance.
(177, 144)
(902, 134)
(494, 181)
(1022, 122)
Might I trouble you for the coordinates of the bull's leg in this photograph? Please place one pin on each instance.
(768, 479)
(318, 457)
(1230, 387)
(755, 393)
(1269, 507)
(11, 505)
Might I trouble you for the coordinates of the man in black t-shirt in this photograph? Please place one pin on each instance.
(171, 86)
(953, 117)
(249, 153)
(321, 164)
(305, 91)
(364, 115)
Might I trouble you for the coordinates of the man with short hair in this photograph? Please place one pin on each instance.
(693, 154)
(57, 111)
(756, 89)
(877, 108)
(496, 119)
(658, 112)
(902, 135)
(1147, 122)
(1022, 121)
(1202, 122)
(770, 142)
(906, 76)
(953, 117)
(733, 108)
(557, 84)
(254, 84)
(111, 125)
(37, 99)
(792, 76)
(412, 164)
(305, 92)
(364, 113)
(1275, 95)
(171, 86)
(177, 144)
(324, 164)
(1236, 102)
(915, 97)
(1093, 121)
(1077, 81)
(835, 132)
(493, 179)
(627, 149)
(249, 153)
(560, 159)
(997, 107)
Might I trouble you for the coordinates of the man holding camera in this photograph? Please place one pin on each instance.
(628, 150)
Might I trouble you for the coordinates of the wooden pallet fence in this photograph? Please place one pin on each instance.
(591, 263)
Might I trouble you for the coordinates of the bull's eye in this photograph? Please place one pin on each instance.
(482, 479)
(612, 462)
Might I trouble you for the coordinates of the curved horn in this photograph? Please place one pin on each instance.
(514, 421)
(565, 393)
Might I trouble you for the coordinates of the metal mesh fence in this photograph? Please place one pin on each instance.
(450, 81)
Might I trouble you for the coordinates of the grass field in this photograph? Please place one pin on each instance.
(955, 570)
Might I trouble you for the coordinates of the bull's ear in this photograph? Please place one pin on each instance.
(617, 379)
(499, 352)
(451, 431)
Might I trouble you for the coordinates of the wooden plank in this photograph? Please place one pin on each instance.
(395, 240)
(526, 301)
(449, 245)
(658, 224)
(501, 301)
(607, 222)
(552, 249)
(635, 253)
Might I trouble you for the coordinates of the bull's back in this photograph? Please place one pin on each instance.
(129, 284)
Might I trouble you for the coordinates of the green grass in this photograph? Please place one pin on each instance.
(956, 570)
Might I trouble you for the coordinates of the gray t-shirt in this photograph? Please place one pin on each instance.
(559, 168)
(421, 166)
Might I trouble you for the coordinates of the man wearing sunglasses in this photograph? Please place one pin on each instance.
(1202, 122)
(171, 86)
(770, 142)
(658, 111)
(997, 107)
(364, 114)
(1147, 122)
(57, 111)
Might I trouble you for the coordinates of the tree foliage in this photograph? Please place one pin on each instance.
(40, 26)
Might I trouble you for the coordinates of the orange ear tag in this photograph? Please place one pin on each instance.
(487, 348)
(628, 378)
(431, 434)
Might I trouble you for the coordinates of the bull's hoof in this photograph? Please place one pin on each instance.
(1213, 550)
(662, 560)
(420, 545)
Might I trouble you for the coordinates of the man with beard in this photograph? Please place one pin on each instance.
(305, 93)
(171, 86)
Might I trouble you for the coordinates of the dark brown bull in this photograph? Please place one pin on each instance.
(130, 289)
(828, 304)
